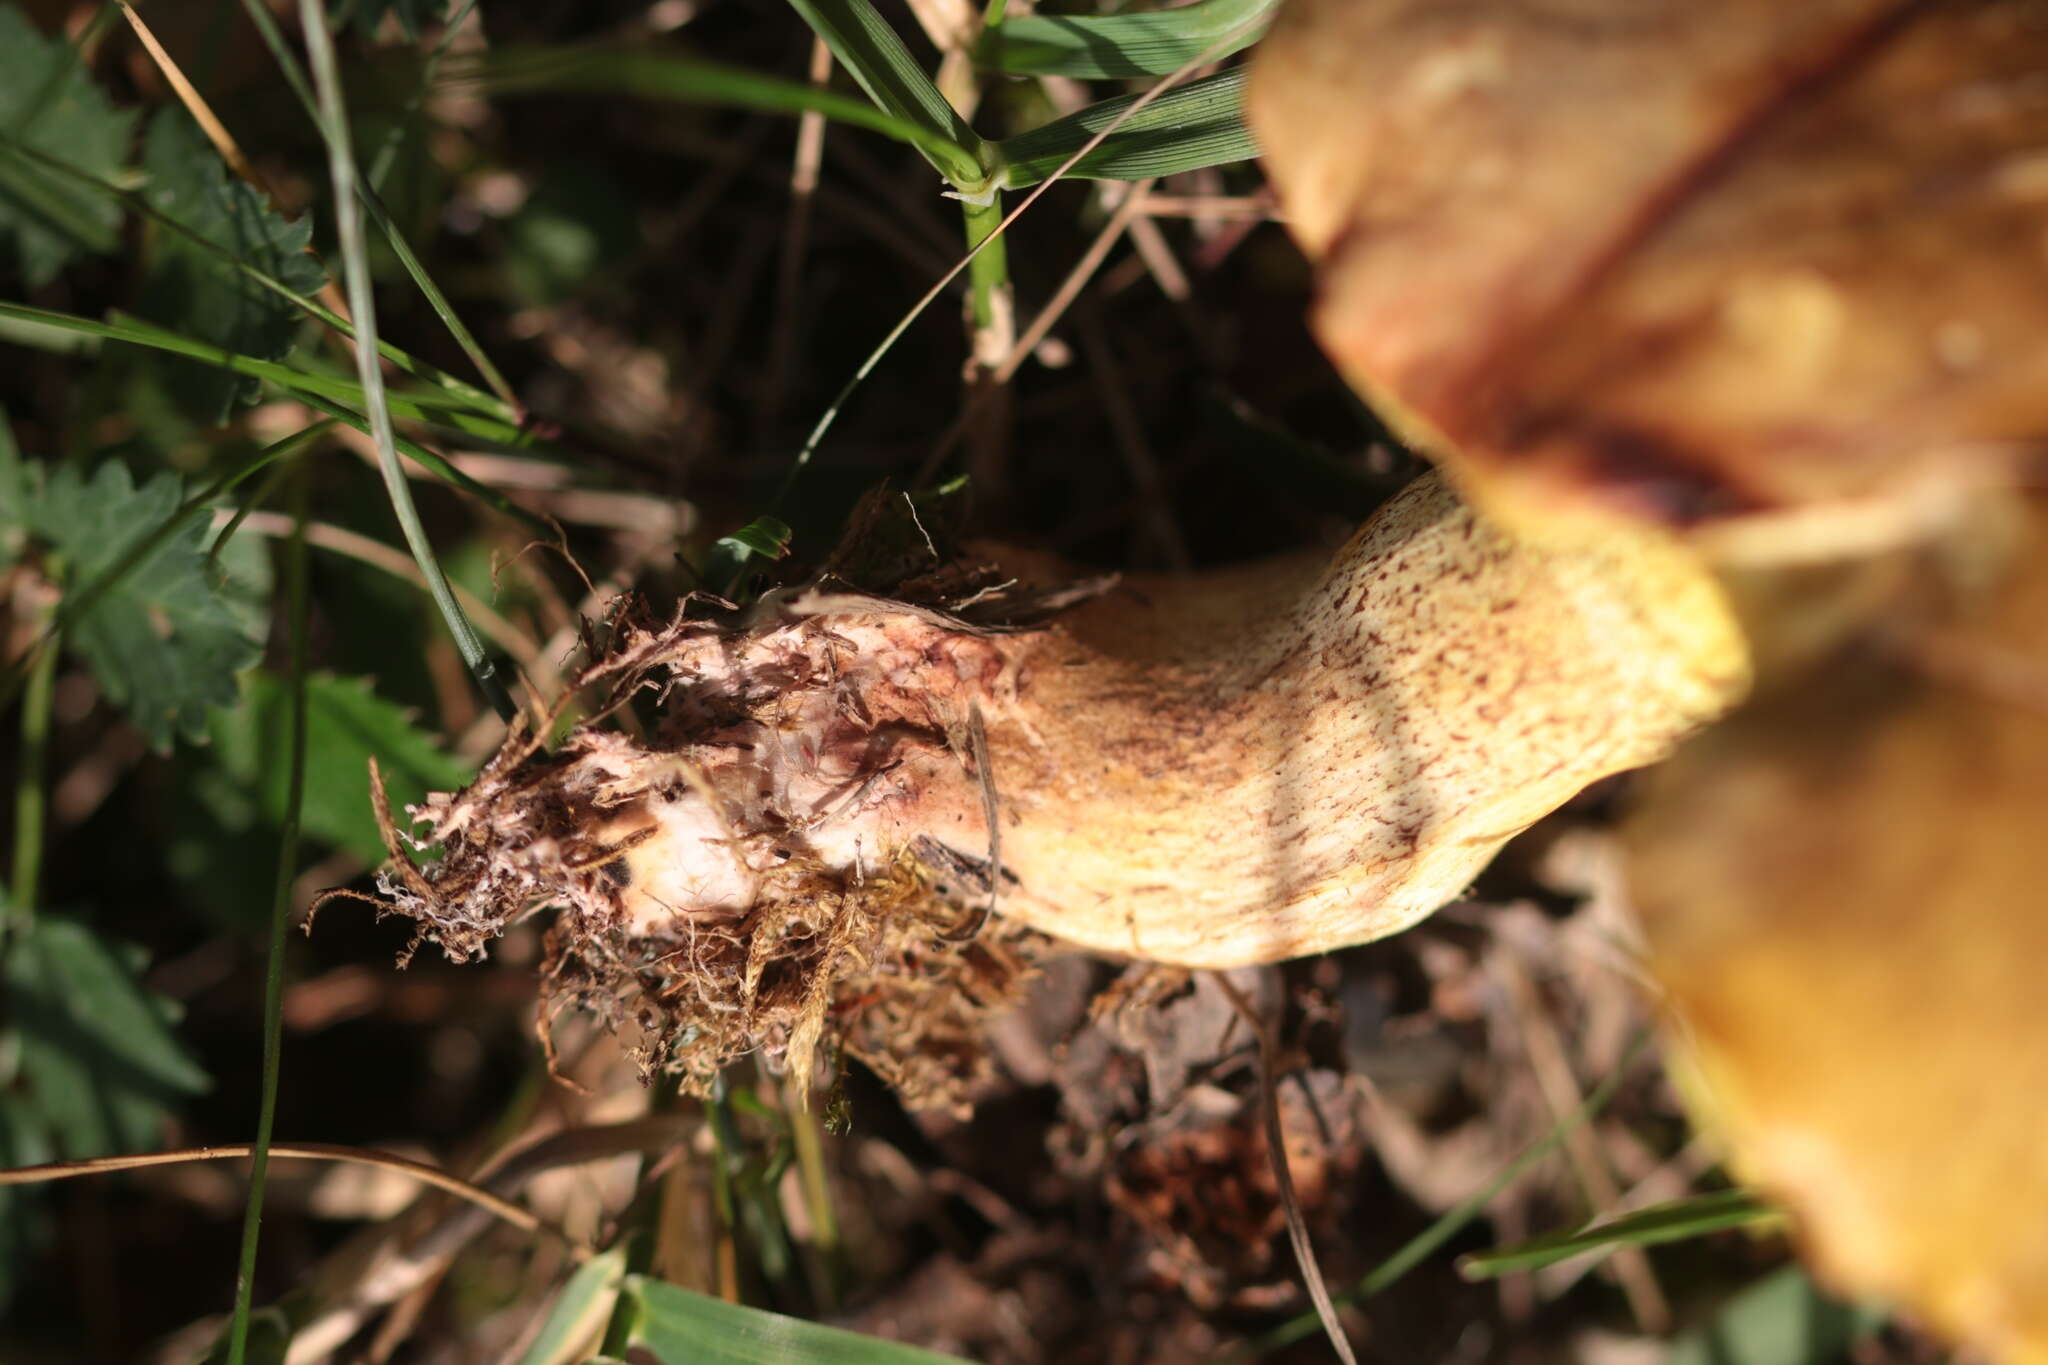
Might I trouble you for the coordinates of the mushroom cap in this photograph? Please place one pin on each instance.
(1842, 894)
(1708, 265)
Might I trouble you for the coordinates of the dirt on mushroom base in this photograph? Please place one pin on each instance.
(780, 926)
(1242, 767)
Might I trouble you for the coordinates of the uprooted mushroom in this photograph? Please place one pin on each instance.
(1230, 768)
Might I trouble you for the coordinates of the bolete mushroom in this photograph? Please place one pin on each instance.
(1230, 768)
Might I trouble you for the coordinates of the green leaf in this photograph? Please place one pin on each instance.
(162, 641)
(1149, 43)
(347, 724)
(865, 44)
(1191, 126)
(1782, 1319)
(97, 1050)
(47, 101)
(683, 1328)
(1672, 1222)
(765, 537)
(650, 72)
(579, 1311)
(199, 292)
(426, 405)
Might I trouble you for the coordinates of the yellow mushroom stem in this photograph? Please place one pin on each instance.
(1230, 768)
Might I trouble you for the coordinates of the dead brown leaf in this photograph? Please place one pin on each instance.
(1688, 262)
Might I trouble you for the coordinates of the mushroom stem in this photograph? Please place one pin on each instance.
(1213, 771)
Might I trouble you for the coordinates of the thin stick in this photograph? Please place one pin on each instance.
(407, 1258)
(1560, 1089)
(1426, 1243)
(1283, 1174)
(503, 1209)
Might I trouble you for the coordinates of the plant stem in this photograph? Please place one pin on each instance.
(29, 798)
(989, 270)
(280, 919)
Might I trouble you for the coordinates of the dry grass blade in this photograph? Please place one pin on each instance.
(504, 1209)
(1283, 1175)
(217, 133)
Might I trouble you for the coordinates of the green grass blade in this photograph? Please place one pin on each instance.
(992, 239)
(1200, 124)
(438, 301)
(431, 406)
(579, 1310)
(1671, 1222)
(1425, 1244)
(651, 73)
(356, 270)
(280, 925)
(1098, 47)
(436, 464)
(474, 397)
(864, 43)
(327, 394)
(682, 1328)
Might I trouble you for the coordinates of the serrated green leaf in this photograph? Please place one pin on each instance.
(98, 1054)
(683, 1328)
(1104, 46)
(1668, 1222)
(48, 102)
(1191, 126)
(196, 291)
(161, 640)
(347, 724)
